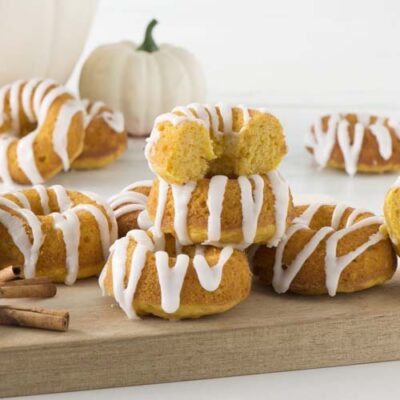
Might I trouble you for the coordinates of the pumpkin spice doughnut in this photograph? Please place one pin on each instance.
(148, 276)
(328, 249)
(105, 136)
(197, 141)
(356, 143)
(391, 209)
(129, 207)
(41, 131)
(54, 232)
(218, 210)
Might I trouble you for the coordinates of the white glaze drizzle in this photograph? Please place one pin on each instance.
(67, 220)
(34, 98)
(182, 195)
(210, 277)
(22, 199)
(5, 142)
(215, 199)
(171, 278)
(334, 265)
(115, 119)
(128, 200)
(62, 126)
(281, 191)
(322, 142)
(251, 200)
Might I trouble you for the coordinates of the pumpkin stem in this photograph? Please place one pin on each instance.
(149, 44)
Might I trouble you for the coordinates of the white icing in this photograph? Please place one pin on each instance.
(281, 192)
(14, 104)
(115, 120)
(22, 199)
(5, 142)
(252, 201)
(44, 198)
(63, 200)
(27, 98)
(34, 98)
(61, 129)
(69, 224)
(182, 195)
(210, 277)
(322, 142)
(215, 199)
(382, 136)
(334, 265)
(171, 278)
(351, 152)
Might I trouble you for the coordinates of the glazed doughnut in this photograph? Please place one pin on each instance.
(197, 141)
(391, 209)
(148, 276)
(129, 207)
(222, 210)
(105, 137)
(41, 131)
(356, 142)
(64, 235)
(328, 249)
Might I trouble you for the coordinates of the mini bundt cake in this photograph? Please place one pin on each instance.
(105, 137)
(328, 249)
(391, 209)
(148, 276)
(41, 131)
(199, 141)
(64, 235)
(129, 207)
(356, 142)
(219, 210)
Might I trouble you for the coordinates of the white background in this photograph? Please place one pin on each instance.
(299, 58)
(279, 52)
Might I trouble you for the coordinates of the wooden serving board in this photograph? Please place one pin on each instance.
(266, 333)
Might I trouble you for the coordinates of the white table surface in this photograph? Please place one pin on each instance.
(363, 381)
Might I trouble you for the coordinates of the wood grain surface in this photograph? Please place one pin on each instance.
(266, 333)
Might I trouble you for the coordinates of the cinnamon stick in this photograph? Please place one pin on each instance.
(24, 289)
(34, 317)
(9, 273)
(30, 281)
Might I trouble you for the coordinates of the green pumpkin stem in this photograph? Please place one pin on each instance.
(149, 44)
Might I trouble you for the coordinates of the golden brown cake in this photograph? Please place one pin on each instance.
(391, 210)
(58, 233)
(129, 207)
(356, 143)
(328, 249)
(197, 141)
(105, 137)
(221, 210)
(41, 131)
(155, 277)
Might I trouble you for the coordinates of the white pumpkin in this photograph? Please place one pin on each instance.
(43, 37)
(143, 81)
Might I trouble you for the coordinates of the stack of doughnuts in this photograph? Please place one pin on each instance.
(44, 129)
(217, 192)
